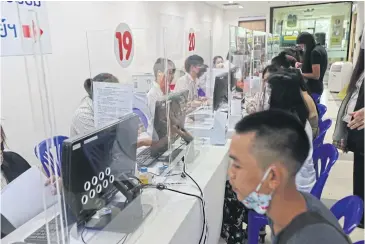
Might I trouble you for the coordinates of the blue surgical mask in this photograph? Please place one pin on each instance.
(259, 202)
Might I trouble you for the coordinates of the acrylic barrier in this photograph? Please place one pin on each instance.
(30, 142)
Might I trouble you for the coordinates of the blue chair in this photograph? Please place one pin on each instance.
(319, 185)
(316, 97)
(44, 154)
(322, 109)
(141, 116)
(352, 209)
(360, 242)
(255, 223)
(327, 156)
(318, 141)
(323, 127)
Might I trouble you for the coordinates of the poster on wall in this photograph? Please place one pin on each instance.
(337, 30)
(25, 33)
(292, 20)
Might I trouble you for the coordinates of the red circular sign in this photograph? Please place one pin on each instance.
(123, 45)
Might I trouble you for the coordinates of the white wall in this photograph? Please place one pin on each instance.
(23, 117)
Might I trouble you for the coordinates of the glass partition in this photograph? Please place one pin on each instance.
(114, 138)
(32, 199)
(273, 48)
(259, 52)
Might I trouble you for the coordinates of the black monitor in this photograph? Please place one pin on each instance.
(220, 94)
(97, 165)
(177, 113)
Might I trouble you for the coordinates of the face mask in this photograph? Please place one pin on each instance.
(258, 201)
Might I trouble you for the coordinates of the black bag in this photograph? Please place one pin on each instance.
(302, 221)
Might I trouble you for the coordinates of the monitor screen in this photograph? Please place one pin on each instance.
(93, 163)
(220, 94)
(177, 113)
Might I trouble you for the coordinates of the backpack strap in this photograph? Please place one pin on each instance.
(303, 220)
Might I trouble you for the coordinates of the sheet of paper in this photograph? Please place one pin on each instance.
(22, 199)
(111, 101)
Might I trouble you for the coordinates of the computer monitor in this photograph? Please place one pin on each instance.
(220, 94)
(177, 114)
(96, 165)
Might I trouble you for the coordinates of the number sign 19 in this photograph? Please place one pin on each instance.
(123, 45)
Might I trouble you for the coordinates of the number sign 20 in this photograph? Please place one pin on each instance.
(191, 40)
(123, 45)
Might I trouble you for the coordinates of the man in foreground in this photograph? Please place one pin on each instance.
(267, 151)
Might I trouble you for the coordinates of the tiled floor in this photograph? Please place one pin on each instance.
(339, 183)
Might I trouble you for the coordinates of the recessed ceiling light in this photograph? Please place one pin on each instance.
(240, 6)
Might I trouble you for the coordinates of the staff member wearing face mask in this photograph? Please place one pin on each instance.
(315, 62)
(349, 131)
(267, 151)
(195, 68)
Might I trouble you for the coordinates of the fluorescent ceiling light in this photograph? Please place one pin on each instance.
(230, 1)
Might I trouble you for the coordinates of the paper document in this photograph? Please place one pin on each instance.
(111, 101)
(22, 199)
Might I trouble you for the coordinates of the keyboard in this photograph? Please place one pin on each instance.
(145, 159)
(40, 235)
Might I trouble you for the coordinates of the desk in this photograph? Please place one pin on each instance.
(175, 218)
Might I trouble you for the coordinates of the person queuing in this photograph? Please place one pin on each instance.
(267, 151)
(12, 164)
(349, 130)
(255, 103)
(314, 64)
(281, 90)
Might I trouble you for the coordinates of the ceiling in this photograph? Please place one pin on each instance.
(235, 4)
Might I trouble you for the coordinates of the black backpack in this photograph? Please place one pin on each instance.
(302, 221)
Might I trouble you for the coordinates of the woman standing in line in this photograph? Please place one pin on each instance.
(349, 131)
(314, 64)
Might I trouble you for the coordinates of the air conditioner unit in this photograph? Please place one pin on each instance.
(339, 76)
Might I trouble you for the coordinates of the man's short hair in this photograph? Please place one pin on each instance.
(279, 136)
(193, 60)
(160, 65)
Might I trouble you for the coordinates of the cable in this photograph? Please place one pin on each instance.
(205, 226)
(82, 233)
(123, 239)
(161, 187)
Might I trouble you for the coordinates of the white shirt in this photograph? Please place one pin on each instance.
(83, 119)
(155, 94)
(306, 177)
(186, 82)
(352, 102)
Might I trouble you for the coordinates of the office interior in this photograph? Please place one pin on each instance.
(56, 46)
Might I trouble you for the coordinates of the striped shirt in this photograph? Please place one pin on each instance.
(83, 119)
